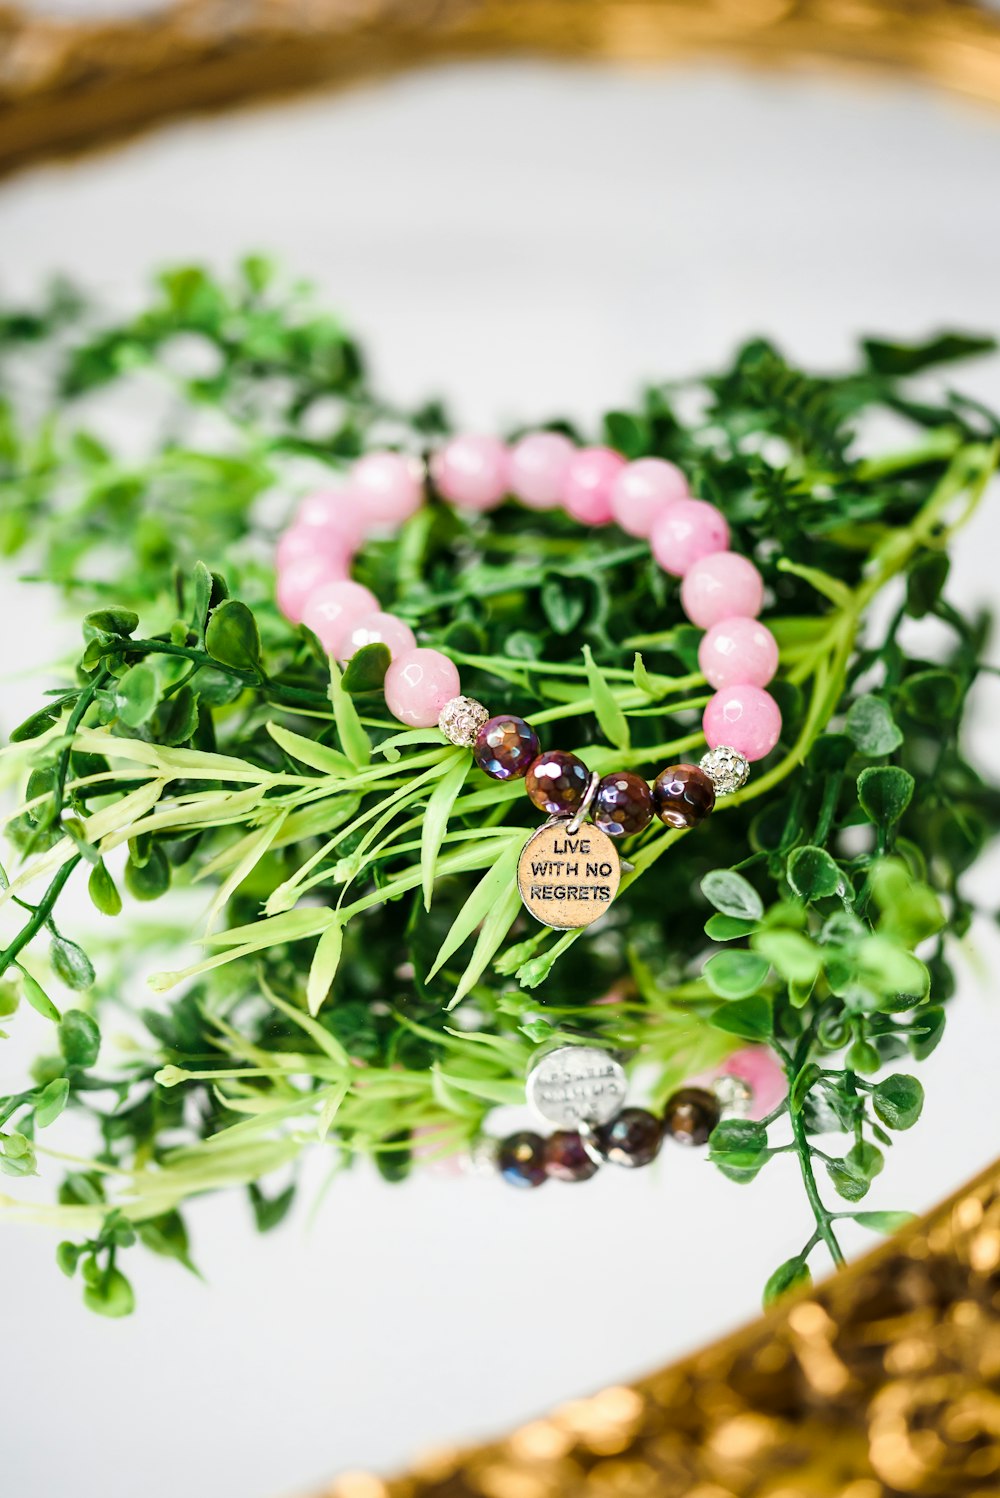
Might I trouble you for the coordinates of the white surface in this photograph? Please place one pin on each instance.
(524, 240)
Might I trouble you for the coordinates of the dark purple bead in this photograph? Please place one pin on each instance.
(623, 804)
(505, 747)
(690, 1115)
(565, 1157)
(683, 795)
(557, 782)
(521, 1159)
(633, 1138)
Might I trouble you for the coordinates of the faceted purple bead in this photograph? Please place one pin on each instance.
(623, 804)
(631, 1139)
(691, 1114)
(683, 796)
(505, 747)
(566, 1159)
(557, 782)
(521, 1159)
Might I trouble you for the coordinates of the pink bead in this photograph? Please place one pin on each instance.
(587, 484)
(537, 468)
(306, 541)
(374, 629)
(418, 683)
(642, 491)
(747, 719)
(386, 487)
(738, 652)
(471, 471)
(685, 532)
(762, 1071)
(719, 586)
(332, 510)
(332, 611)
(300, 579)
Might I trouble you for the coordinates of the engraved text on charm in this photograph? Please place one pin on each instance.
(576, 1084)
(568, 879)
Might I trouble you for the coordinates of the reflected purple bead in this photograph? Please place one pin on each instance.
(566, 1159)
(505, 747)
(623, 804)
(521, 1159)
(631, 1139)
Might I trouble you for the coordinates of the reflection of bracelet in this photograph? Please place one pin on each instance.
(581, 1089)
(567, 875)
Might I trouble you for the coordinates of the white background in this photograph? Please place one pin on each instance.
(525, 240)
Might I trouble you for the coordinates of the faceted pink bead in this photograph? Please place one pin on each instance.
(643, 490)
(587, 484)
(738, 652)
(418, 683)
(300, 579)
(305, 541)
(686, 531)
(471, 471)
(378, 628)
(332, 510)
(332, 611)
(387, 488)
(745, 718)
(720, 586)
(763, 1073)
(538, 465)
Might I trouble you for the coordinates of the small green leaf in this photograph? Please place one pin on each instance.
(852, 1176)
(166, 1235)
(51, 1101)
(884, 1222)
(32, 727)
(36, 996)
(720, 927)
(738, 1146)
(733, 895)
(563, 605)
(439, 809)
(813, 874)
(872, 727)
(926, 1031)
(931, 697)
(110, 1295)
(232, 636)
(149, 879)
(71, 964)
(137, 694)
(67, 1257)
(925, 582)
(268, 1212)
(79, 1039)
(365, 671)
(177, 717)
(613, 723)
(751, 1019)
(792, 954)
(103, 891)
(885, 791)
(113, 621)
(627, 433)
(898, 1101)
(912, 358)
(792, 1275)
(353, 740)
(323, 968)
(735, 974)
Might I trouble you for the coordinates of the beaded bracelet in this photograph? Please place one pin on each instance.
(567, 876)
(580, 1089)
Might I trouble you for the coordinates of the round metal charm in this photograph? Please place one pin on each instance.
(568, 879)
(576, 1084)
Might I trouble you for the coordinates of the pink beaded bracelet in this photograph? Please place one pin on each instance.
(721, 592)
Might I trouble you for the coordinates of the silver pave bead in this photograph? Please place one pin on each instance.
(461, 719)
(726, 768)
(733, 1096)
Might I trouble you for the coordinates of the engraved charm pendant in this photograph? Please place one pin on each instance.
(568, 878)
(576, 1084)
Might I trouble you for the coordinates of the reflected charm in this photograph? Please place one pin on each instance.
(576, 1084)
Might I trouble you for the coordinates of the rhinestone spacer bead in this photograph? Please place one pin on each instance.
(734, 1096)
(726, 768)
(461, 719)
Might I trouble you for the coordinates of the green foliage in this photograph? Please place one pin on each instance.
(358, 881)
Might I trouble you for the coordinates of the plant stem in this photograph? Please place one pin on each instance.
(42, 912)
